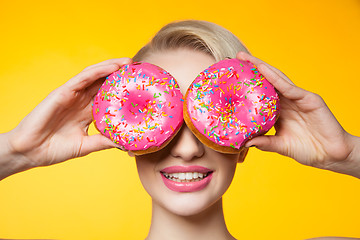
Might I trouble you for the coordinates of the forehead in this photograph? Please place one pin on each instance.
(183, 64)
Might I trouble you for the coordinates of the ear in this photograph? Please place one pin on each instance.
(131, 154)
(243, 154)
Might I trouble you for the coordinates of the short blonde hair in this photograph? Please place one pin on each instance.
(198, 35)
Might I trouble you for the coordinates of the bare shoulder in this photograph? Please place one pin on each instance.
(333, 238)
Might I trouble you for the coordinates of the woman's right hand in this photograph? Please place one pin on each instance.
(57, 129)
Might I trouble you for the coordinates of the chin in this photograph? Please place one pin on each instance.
(188, 204)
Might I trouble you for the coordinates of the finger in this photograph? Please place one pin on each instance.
(86, 78)
(54, 105)
(95, 143)
(247, 57)
(267, 143)
(277, 78)
(91, 92)
(286, 89)
(89, 76)
(94, 88)
(118, 61)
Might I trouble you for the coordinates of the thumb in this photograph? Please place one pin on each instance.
(95, 143)
(267, 143)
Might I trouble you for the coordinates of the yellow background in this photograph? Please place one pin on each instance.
(99, 197)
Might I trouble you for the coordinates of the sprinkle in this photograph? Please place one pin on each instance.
(213, 127)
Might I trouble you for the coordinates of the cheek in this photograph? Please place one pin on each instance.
(231, 167)
(226, 171)
(228, 175)
(145, 169)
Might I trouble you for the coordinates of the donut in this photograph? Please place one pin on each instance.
(137, 107)
(229, 103)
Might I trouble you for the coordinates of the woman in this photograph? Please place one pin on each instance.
(184, 49)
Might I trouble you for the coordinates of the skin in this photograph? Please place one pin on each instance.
(40, 141)
(200, 212)
(302, 131)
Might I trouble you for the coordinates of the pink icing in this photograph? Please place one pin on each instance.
(137, 107)
(231, 102)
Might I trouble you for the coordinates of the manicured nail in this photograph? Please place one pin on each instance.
(251, 146)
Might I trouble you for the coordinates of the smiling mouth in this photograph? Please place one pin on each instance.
(186, 176)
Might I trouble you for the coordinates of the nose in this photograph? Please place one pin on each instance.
(186, 146)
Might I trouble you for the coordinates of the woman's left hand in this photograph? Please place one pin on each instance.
(306, 130)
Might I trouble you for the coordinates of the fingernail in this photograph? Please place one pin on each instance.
(251, 146)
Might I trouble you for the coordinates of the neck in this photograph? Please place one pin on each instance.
(208, 224)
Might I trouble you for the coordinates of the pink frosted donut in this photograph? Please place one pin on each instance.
(137, 107)
(229, 103)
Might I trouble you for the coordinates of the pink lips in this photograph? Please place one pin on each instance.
(186, 186)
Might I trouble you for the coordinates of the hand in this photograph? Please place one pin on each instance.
(57, 129)
(306, 130)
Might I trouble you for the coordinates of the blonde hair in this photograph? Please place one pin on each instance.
(197, 35)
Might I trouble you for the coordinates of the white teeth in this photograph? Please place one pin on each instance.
(185, 177)
(182, 176)
(188, 176)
